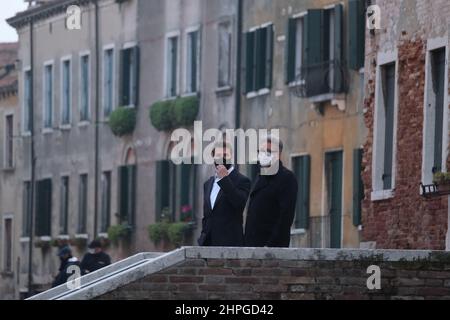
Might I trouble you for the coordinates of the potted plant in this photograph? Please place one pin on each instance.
(442, 181)
(122, 121)
(79, 241)
(176, 232)
(119, 232)
(60, 242)
(166, 115)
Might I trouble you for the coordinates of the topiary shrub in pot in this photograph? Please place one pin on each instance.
(185, 111)
(122, 121)
(161, 115)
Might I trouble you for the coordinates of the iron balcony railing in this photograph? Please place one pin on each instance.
(321, 78)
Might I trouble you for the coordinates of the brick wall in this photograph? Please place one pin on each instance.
(274, 277)
(406, 221)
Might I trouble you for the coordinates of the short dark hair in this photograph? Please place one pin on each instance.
(270, 139)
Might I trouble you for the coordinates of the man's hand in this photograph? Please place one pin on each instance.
(221, 171)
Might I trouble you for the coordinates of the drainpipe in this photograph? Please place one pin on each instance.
(238, 70)
(33, 165)
(97, 122)
(238, 64)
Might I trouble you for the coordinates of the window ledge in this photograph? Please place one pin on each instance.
(24, 239)
(189, 94)
(45, 238)
(9, 169)
(47, 130)
(382, 195)
(225, 90)
(81, 236)
(103, 235)
(26, 134)
(298, 232)
(84, 123)
(261, 92)
(65, 127)
(63, 237)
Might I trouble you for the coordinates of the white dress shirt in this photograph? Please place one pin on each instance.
(216, 189)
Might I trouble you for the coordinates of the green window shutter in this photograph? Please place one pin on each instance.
(123, 193)
(314, 51)
(314, 37)
(356, 33)
(261, 56)
(268, 63)
(185, 197)
(44, 207)
(132, 176)
(302, 168)
(136, 67)
(358, 187)
(162, 186)
(249, 61)
(338, 49)
(291, 36)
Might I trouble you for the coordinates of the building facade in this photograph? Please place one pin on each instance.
(407, 116)
(8, 213)
(303, 70)
(126, 57)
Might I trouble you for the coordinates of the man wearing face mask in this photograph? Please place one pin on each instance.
(225, 196)
(95, 258)
(271, 208)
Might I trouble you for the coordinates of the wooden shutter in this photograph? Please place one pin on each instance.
(302, 167)
(260, 58)
(358, 187)
(268, 63)
(356, 34)
(338, 61)
(136, 67)
(314, 51)
(291, 37)
(132, 176)
(123, 193)
(43, 207)
(249, 62)
(162, 186)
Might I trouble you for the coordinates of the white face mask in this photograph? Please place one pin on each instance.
(265, 160)
(92, 251)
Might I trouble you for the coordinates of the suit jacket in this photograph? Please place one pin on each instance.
(271, 210)
(223, 225)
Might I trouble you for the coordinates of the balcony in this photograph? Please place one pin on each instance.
(322, 79)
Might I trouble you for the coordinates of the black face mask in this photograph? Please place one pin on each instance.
(227, 165)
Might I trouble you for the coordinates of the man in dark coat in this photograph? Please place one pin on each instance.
(225, 196)
(95, 259)
(271, 208)
(67, 260)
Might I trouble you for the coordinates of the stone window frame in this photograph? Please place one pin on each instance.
(48, 63)
(196, 28)
(81, 55)
(6, 166)
(296, 231)
(377, 194)
(428, 137)
(66, 126)
(25, 131)
(106, 48)
(7, 216)
(168, 36)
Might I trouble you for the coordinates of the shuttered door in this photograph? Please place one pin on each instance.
(358, 188)
(43, 207)
(162, 186)
(302, 167)
(334, 188)
(356, 33)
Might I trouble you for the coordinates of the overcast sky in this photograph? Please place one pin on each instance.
(8, 8)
